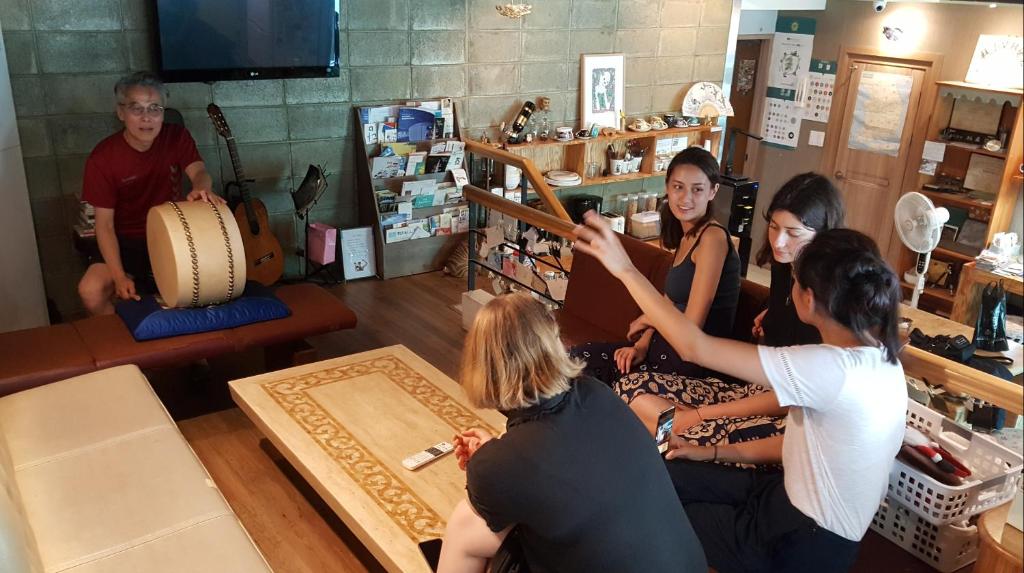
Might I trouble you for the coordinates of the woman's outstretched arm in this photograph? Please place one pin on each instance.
(738, 359)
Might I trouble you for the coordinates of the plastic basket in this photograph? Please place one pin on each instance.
(944, 547)
(996, 472)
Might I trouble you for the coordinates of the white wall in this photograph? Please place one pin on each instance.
(755, 22)
(22, 299)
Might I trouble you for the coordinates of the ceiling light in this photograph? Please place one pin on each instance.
(892, 33)
(513, 10)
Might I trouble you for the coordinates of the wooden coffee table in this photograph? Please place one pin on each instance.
(346, 424)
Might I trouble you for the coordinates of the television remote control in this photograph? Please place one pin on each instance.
(428, 455)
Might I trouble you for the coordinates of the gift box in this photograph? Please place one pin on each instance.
(322, 243)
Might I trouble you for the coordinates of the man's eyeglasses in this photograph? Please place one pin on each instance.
(137, 110)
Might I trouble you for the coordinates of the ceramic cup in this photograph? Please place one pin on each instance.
(618, 166)
(634, 165)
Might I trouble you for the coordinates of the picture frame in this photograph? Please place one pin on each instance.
(357, 253)
(602, 90)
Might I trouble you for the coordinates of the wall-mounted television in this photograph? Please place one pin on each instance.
(210, 40)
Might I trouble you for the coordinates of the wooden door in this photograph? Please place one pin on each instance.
(741, 96)
(880, 127)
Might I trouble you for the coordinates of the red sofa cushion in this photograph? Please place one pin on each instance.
(111, 344)
(37, 356)
(314, 311)
(595, 296)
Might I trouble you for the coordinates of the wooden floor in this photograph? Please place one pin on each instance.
(295, 530)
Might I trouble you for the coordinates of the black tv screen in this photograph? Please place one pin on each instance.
(207, 40)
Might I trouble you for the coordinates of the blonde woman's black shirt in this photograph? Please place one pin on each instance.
(583, 479)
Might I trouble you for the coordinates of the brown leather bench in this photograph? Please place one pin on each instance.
(33, 357)
(598, 308)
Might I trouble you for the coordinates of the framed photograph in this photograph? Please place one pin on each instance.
(602, 89)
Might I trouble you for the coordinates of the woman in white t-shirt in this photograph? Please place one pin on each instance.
(847, 399)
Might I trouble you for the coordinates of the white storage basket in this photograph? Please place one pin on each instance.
(944, 547)
(996, 472)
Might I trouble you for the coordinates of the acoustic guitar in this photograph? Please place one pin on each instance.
(264, 259)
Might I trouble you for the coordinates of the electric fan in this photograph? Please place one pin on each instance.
(919, 224)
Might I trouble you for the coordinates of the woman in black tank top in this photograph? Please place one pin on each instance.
(703, 283)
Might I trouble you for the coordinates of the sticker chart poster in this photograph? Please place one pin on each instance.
(782, 118)
(880, 112)
(817, 97)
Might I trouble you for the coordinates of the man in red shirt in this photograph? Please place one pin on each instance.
(127, 173)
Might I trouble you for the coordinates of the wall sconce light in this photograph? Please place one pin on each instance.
(513, 10)
(892, 33)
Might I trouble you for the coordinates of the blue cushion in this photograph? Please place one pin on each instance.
(147, 320)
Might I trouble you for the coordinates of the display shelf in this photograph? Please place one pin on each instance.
(617, 178)
(412, 256)
(979, 87)
(939, 293)
(958, 200)
(577, 154)
(1001, 154)
(946, 253)
(996, 210)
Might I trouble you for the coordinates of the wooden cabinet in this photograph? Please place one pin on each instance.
(983, 110)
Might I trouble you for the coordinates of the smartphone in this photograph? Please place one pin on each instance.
(431, 549)
(664, 428)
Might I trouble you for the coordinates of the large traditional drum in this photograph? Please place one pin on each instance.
(196, 253)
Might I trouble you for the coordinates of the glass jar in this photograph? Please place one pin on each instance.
(632, 207)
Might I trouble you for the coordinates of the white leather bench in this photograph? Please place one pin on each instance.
(95, 477)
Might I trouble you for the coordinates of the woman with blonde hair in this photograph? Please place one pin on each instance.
(556, 480)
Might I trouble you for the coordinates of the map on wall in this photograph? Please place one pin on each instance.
(998, 62)
(880, 112)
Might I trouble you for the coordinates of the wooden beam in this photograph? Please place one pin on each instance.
(561, 227)
(542, 189)
(957, 377)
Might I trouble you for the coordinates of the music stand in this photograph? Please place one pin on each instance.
(305, 199)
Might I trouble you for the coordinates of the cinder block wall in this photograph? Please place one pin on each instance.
(65, 55)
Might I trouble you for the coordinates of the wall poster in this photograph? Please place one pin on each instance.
(880, 112)
(790, 62)
(791, 52)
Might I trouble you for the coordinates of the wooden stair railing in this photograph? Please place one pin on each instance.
(563, 228)
(529, 170)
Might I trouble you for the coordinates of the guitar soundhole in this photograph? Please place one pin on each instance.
(263, 259)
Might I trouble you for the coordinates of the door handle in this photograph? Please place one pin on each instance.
(840, 175)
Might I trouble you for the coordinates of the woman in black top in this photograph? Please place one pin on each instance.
(806, 205)
(704, 281)
(558, 477)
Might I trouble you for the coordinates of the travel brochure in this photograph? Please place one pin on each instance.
(396, 209)
(400, 159)
(413, 122)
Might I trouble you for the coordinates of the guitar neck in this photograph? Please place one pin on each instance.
(236, 165)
